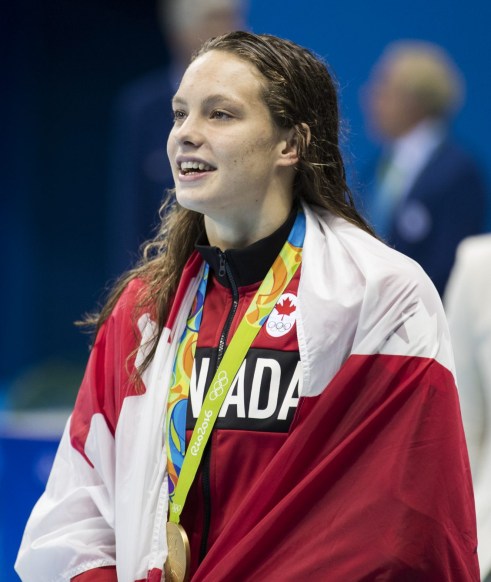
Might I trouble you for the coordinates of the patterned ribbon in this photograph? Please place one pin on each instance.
(179, 392)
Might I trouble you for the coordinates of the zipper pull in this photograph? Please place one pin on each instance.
(221, 271)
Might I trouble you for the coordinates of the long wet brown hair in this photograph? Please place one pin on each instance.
(298, 89)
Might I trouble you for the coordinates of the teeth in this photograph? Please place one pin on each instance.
(189, 166)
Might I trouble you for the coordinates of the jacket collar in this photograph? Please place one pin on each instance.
(250, 264)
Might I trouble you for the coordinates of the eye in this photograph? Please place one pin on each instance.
(220, 115)
(178, 115)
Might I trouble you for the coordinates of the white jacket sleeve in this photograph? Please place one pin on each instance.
(468, 304)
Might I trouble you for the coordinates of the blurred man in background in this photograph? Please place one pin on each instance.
(140, 172)
(427, 193)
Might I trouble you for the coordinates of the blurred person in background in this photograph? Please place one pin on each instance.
(468, 305)
(336, 450)
(140, 172)
(427, 193)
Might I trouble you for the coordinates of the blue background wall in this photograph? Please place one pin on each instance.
(25, 462)
(65, 63)
(352, 34)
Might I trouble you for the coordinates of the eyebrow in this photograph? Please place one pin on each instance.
(209, 101)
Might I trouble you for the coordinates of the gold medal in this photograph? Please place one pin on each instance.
(176, 566)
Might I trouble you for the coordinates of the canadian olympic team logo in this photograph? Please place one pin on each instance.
(283, 317)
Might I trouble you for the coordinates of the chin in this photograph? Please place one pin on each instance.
(190, 202)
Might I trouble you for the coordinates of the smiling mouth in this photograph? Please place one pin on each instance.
(186, 168)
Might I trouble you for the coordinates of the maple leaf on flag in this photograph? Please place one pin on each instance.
(285, 308)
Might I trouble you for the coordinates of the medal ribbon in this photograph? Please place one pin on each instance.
(179, 392)
(182, 468)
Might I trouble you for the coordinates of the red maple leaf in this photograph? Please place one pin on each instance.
(285, 308)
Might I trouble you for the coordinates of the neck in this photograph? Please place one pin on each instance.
(240, 231)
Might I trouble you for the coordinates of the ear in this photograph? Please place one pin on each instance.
(295, 144)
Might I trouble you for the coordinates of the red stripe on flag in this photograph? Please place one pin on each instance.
(372, 483)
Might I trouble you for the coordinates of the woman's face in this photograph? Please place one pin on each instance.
(226, 154)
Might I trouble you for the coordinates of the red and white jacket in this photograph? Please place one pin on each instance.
(368, 478)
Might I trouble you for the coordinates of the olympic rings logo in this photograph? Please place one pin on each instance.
(279, 325)
(219, 385)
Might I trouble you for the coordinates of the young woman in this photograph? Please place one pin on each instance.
(271, 383)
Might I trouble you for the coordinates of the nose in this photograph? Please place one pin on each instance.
(188, 132)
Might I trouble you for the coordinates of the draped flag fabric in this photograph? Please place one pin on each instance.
(372, 483)
(365, 489)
